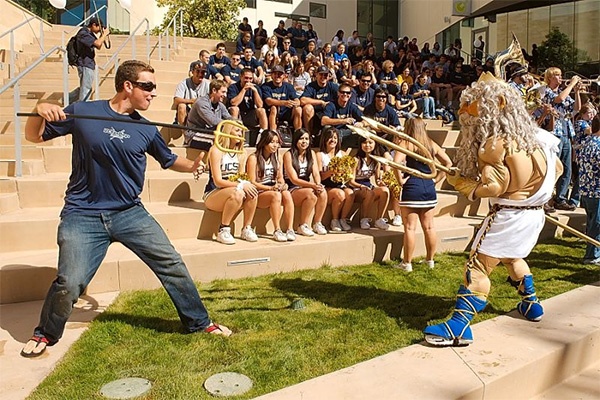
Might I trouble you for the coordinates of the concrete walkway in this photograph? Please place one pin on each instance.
(511, 358)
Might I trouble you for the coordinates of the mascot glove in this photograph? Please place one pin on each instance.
(465, 186)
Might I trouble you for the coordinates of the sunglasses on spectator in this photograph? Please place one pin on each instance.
(366, 80)
(381, 96)
(236, 59)
(200, 71)
(345, 93)
(145, 86)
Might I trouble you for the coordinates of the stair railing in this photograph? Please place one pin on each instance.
(12, 68)
(166, 33)
(114, 59)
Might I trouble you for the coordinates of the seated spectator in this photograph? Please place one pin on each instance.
(353, 41)
(287, 46)
(268, 63)
(299, 78)
(345, 73)
(368, 68)
(281, 33)
(340, 54)
(281, 100)
(441, 87)
(385, 56)
(337, 39)
(363, 94)
(356, 55)
(206, 113)
(300, 165)
(188, 90)
(310, 51)
(390, 45)
(370, 55)
(286, 61)
(426, 51)
(211, 72)
(401, 62)
(406, 76)
(405, 103)
(231, 73)
(437, 50)
(420, 92)
(489, 65)
(387, 78)
(248, 61)
(430, 63)
(315, 97)
(311, 34)
(330, 64)
(260, 35)
(471, 70)
(339, 195)
(369, 41)
(413, 47)
(266, 174)
(341, 113)
(374, 198)
(325, 53)
(381, 111)
(419, 198)
(246, 103)
(229, 197)
(244, 27)
(458, 81)
(219, 60)
(270, 46)
(298, 36)
(245, 41)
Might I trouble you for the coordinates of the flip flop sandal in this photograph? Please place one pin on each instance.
(215, 329)
(35, 347)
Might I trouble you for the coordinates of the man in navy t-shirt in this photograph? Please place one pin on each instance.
(315, 97)
(245, 101)
(281, 100)
(87, 43)
(382, 112)
(249, 61)
(231, 73)
(102, 202)
(341, 113)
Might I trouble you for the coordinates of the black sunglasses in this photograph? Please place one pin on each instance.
(145, 86)
(366, 80)
(345, 92)
(381, 96)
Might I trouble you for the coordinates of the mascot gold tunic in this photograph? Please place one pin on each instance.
(506, 158)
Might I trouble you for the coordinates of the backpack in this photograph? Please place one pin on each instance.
(285, 134)
(72, 54)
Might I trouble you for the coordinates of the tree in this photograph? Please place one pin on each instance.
(210, 19)
(559, 51)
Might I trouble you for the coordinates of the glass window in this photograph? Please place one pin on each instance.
(561, 17)
(517, 23)
(250, 3)
(502, 31)
(283, 1)
(539, 26)
(587, 17)
(318, 10)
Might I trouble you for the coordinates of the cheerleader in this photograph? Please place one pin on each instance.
(226, 196)
(266, 174)
(339, 196)
(367, 193)
(299, 165)
(419, 198)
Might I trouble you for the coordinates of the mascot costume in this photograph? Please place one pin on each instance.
(506, 158)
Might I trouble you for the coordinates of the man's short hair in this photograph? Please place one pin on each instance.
(221, 44)
(216, 85)
(94, 21)
(130, 71)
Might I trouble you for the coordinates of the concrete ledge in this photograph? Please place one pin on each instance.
(510, 358)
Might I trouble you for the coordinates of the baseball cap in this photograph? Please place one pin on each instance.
(518, 71)
(278, 68)
(322, 70)
(198, 64)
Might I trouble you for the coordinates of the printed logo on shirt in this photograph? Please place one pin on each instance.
(115, 134)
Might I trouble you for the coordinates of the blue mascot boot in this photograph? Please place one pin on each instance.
(530, 306)
(456, 331)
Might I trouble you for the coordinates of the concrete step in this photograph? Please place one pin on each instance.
(208, 260)
(8, 167)
(444, 137)
(511, 358)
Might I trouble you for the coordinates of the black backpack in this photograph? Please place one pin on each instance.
(72, 54)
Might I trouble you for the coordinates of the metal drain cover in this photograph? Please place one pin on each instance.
(228, 384)
(126, 388)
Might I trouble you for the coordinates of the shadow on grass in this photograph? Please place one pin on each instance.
(152, 323)
(408, 308)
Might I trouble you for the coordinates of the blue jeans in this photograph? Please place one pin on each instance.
(564, 155)
(592, 211)
(83, 241)
(86, 81)
(428, 105)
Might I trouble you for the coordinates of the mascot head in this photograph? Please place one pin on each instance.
(491, 110)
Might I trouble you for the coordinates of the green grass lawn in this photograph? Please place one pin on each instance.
(352, 314)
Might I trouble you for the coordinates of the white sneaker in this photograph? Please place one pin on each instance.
(382, 224)
(291, 235)
(404, 266)
(365, 223)
(397, 221)
(248, 234)
(224, 236)
(335, 225)
(430, 263)
(319, 229)
(279, 236)
(345, 225)
(305, 230)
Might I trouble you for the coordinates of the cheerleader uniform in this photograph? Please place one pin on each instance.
(364, 174)
(269, 175)
(325, 159)
(230, 165)
(304, 174)
(418, 192)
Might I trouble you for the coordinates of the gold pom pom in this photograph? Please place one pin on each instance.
(342, 168)
(389, 178)
(240, 176)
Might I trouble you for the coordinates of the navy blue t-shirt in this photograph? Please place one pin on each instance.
(285, 92)
(108, 159)
(362, 99)
(334, 110)
(233, 73)
(327, 93)
(253, 64)
(387, 116)
(86, 52)
(248, 103)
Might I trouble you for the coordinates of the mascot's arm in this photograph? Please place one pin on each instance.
(495, 175)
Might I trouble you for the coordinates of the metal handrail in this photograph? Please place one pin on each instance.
(79, 25)
(12, 69)
(114, 58)
(165, 32)
(15, 83)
